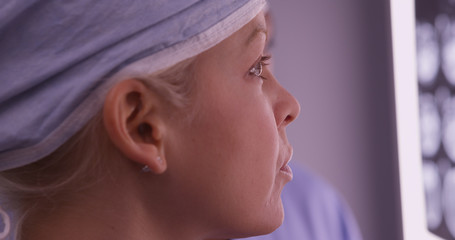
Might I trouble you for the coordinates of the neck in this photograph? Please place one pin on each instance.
(114, 210)
(113, 218)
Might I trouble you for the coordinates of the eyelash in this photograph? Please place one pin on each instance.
(258, 67)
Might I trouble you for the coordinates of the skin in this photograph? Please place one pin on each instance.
(219, 174)
(238, 139)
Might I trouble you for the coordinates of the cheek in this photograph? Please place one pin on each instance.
(249, 167)
(228, 156)
(258, 144)
(232, 147)
(239, 144)
(238, 157)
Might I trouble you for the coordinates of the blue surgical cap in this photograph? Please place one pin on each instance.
(58, 58)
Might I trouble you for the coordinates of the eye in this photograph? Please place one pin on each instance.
(258, 67)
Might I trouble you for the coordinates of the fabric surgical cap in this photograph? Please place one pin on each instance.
(59, 58)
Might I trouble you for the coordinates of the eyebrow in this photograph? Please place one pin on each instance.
(256, 33)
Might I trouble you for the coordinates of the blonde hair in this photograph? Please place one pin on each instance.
(78, 162)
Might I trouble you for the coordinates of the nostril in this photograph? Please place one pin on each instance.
(288, 119)
(287, 109)
(285, 116)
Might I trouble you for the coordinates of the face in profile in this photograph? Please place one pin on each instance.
(228, 163)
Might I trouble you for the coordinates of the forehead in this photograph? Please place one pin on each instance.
(238, 41)
(254, 29)
(235, 52)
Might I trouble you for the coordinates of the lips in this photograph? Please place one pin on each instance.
(285, 168)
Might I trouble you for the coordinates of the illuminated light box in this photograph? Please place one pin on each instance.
(423, 42)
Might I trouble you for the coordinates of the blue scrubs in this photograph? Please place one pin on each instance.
(313, 211)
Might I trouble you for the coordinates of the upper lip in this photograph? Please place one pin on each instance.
(288, 156)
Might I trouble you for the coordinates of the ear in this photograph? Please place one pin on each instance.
(133, 121)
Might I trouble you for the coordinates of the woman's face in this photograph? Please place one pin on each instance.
(227, 165)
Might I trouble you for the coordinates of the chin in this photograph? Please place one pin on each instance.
(273, 223)
(262, 229)
(264, 222)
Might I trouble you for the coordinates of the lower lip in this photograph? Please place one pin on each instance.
(286, 170)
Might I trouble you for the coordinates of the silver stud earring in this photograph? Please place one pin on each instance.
(146, 169)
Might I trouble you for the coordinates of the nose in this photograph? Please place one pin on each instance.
(286, 108)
